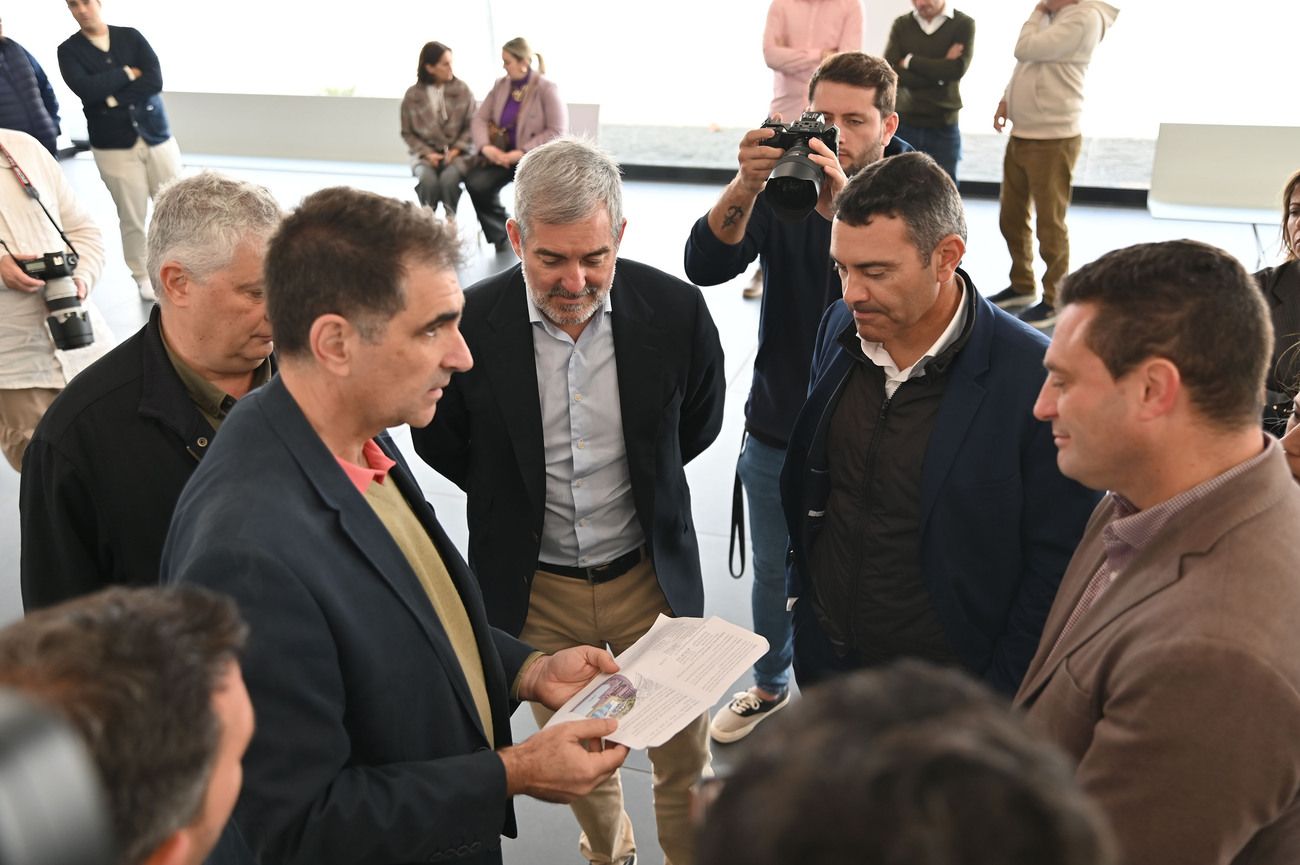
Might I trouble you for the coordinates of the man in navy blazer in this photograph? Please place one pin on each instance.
(383, 697)
(119, 79)
(927, 516)
(598, 379)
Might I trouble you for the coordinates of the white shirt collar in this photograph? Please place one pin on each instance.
(877, 354)
(929, 27)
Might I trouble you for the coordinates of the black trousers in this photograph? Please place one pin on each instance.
(484, 184)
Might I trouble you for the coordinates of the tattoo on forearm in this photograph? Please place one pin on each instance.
(733, 216)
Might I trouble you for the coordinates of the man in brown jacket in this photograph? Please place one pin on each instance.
(1170, 663)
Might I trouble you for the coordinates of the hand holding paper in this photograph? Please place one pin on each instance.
(556, 678)
(666, 679)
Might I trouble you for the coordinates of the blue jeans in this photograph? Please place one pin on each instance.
(943, 143)
(760, 472)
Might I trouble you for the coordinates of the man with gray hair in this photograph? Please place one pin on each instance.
(597, 379)
(89, 519)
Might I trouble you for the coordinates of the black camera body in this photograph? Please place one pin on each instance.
(68, 321)
(51, 265)
(796, 181)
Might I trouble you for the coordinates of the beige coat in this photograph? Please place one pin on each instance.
(1178, 692)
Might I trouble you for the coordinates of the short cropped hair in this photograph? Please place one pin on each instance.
(563, 181)
(346, 252)
(858, 70)
(903, 765)
(200, 221)
(911, 187)
(134, 671)
(1191, 304)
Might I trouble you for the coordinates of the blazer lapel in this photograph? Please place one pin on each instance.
(1156, 567)
(961, 400)
(363, 527)
(506, 358)
(642, 388)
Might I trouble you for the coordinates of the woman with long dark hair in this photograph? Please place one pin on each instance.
(436, 114)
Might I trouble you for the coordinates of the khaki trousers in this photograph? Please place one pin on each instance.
(21, 409)
(564, 612)
(134, 175)
(1038, 172)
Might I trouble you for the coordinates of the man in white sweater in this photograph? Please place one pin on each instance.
(32, 371)
(1043, 101)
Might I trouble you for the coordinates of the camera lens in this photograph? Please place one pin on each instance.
(795, 183)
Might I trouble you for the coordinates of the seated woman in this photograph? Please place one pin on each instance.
(436, 114)
(522, 111)
(1281, 287)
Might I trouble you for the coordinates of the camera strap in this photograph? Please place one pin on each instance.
(32, 193)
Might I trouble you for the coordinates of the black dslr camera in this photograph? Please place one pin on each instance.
(68, 322)
(796, 181)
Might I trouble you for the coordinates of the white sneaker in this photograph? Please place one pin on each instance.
(146, 289)
(735, 720)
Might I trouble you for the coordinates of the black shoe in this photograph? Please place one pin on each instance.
(1009, 299)
(1040, 315)
(503, 246)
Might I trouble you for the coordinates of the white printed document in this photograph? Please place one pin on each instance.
(669, 677)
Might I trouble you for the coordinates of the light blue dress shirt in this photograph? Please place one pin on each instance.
(590, 515)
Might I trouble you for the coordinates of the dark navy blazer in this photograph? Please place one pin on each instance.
(368, 746)
(999, 521)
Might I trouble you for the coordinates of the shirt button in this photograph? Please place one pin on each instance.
(578, 483)
(582, 523)
(577, 397)
(582, 443)
(203, 442)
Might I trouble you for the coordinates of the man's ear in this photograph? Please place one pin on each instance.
(332, 342)
(947, 256)
(1160, 387)
(891, 126)
(174, 850)
(516, 237)
(176, 283)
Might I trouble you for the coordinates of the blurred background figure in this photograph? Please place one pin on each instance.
(931, 48)
(116, 73)
(151, 680)
(436, 114)
(1281, 287)
(523, 111)
(33, 369)
(1043, 103)
(906, 764)
(799, 35)
(27, 101)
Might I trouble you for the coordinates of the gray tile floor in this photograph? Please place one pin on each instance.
(659, 218)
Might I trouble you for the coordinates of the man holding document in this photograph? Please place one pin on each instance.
(382, 695)
(590, 393)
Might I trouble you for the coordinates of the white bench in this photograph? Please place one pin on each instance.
(354, 129)
(1219, 173)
